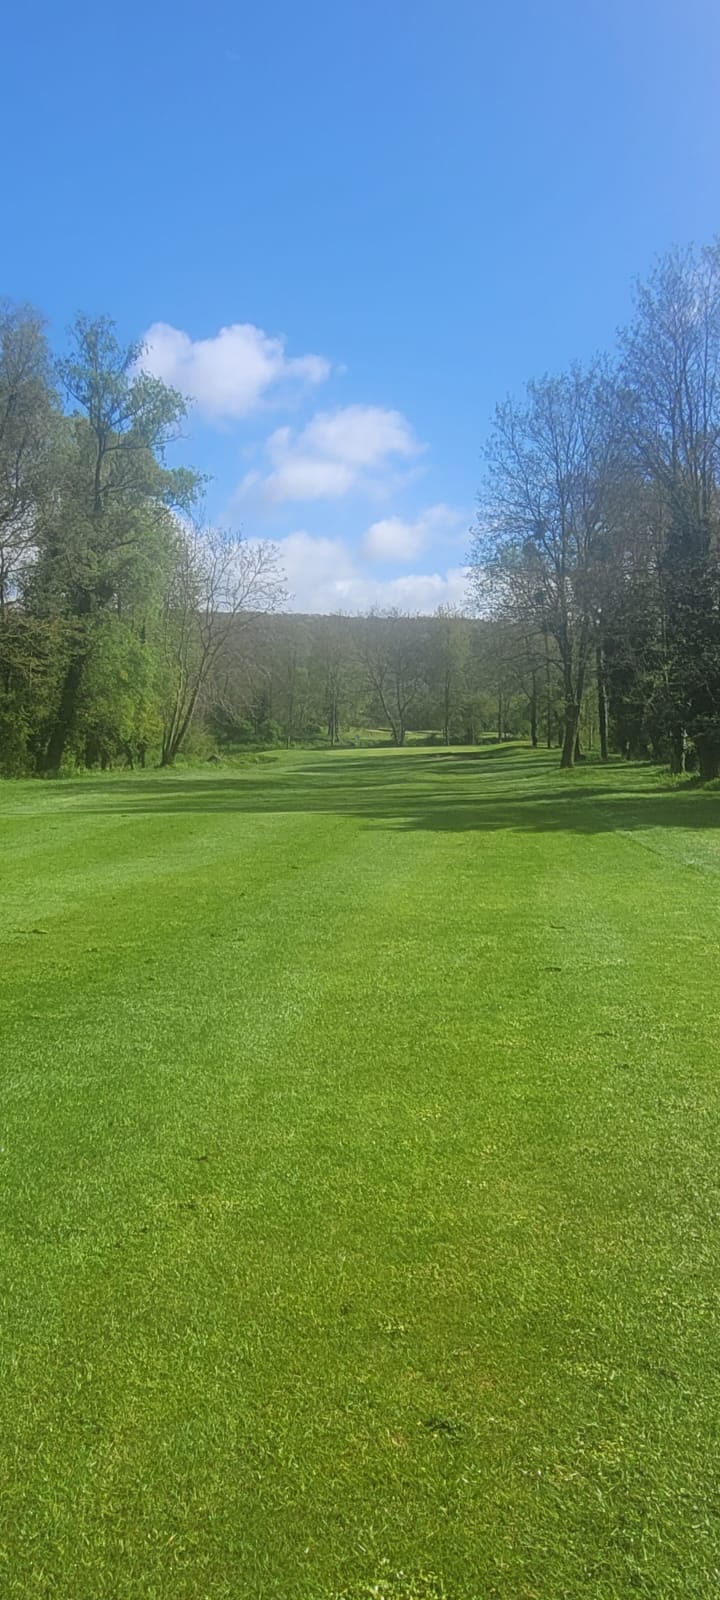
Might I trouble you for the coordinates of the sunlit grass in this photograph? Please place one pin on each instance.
(359, 1157)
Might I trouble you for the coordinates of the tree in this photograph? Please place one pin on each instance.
(219, 585)
(671, 371)
(118, 712)
(395, 667)
(551, 463)
(29, 651)
(450, 655)
(31, 657)
(26, 417)
(334, 672)
(103, 538)
(526, 669)
(628, 653)
(290, 676)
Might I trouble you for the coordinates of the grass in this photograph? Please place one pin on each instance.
(359, 1159)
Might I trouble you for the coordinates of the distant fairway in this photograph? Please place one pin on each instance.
(360, 1172)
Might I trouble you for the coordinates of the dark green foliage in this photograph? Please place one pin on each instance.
(32, 653)
(106, 534)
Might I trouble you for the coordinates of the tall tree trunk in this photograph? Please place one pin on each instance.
(65, 717)
(534, 713)
(570, 733)
(602, 703)
(678, 749)
(708, 760)
(548, 699)
(176, 730)
(446, 712)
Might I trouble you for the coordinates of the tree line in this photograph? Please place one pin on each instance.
(130, 630)
(599, 520)
(449, 678)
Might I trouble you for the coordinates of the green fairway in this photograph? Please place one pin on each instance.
(360, 1182)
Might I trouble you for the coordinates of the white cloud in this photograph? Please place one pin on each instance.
(232, 373)
(394, 539)
(323, 576)
(336, 452)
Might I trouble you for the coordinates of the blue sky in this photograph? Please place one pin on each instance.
(348, 227)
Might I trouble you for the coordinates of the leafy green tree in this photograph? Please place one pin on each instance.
(119, 711)
(105, 538)
(29, 652)
(32, 652)
(27, 414)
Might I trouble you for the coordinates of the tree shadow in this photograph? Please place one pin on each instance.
(492, 752)
(438, 791)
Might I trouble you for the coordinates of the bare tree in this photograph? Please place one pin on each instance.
(525, 666)
(291, 680)
(220, 584)
(543, 518)
(392, 657)
(333, 660)
(450, 659)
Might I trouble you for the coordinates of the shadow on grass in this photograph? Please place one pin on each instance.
(485, 790)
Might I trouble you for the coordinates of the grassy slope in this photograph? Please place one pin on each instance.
(360, 1179)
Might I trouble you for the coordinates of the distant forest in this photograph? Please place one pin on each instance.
(130, 631)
